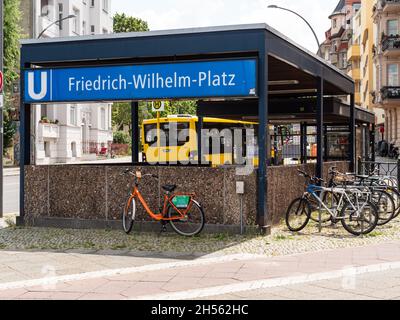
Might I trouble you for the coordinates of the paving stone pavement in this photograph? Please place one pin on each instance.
(371, 286)
(369, 272)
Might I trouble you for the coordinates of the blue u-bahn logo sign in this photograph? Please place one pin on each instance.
(228, 78)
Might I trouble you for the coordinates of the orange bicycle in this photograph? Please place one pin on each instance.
(180, 210)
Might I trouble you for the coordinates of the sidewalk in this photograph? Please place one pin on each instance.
(224, 277)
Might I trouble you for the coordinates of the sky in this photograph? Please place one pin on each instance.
(176, 14)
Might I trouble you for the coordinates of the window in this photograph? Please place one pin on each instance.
(334, 23)
(47, 152)
(176, 134)
(103, 119)
(105, 5)
(92, 29)
(44, 7)
(392, 27)
(83, 27)
(60, 15)
(92, 3)
(343, 59)
(72, 115)
(393, 75)
(75, 26)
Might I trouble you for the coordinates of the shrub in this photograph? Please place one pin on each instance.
(121, 137)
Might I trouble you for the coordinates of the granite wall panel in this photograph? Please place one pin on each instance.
(100, 192)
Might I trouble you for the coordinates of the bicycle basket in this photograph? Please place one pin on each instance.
(181, 201)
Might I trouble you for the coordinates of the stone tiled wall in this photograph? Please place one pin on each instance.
(285, 184)
(99, 192)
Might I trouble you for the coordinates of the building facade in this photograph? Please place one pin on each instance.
(69, 132)
(361, 59)
(386, 60)
(334, 48)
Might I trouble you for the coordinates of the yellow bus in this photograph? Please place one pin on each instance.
(173, 139)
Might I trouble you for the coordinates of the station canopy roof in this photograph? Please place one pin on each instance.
(286, 110)
(292, 70)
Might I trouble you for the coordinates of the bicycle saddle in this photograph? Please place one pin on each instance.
(169, 187)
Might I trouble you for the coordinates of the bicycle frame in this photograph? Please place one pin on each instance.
(167, 201)
(313, 189)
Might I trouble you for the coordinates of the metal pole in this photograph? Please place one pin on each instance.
(372, 143)
(304, 19)
(262, 183)
(352, 138)
(200, 140)
(135, 132)
(320, 128)
(1, 111)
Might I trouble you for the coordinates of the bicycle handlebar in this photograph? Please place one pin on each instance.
(136, 174)
(312, 178)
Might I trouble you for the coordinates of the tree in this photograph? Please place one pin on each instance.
(12, 34)
(124, 23)
(122, 111)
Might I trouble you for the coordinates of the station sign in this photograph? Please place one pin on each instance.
(158, 106)
(220, 78)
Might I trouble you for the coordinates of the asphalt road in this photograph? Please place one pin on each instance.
(11, 194)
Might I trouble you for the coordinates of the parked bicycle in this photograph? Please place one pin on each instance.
(180, 210)
(352, 206)
(385, 198)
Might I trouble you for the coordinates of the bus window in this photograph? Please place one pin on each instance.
(150, 133)
(176, 133)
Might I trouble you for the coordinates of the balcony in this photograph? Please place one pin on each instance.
(391, 46)
(354, 52)
(390, 6)
(48, 131)
(334, 58)
(355, 73)
(390, 93)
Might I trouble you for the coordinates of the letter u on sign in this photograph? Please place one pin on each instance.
(43, 86)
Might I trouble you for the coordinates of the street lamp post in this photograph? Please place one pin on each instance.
(301, 17)
(71, 16)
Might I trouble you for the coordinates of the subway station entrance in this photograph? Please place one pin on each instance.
(246, 72)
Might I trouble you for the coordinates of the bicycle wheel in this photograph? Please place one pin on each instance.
(298, 214)
(128, 216)
(385, 204)
(193, 222)
(330, 199)
(396, 197)
(361, 221)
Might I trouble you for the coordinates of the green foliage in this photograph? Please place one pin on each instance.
(124, 23)
(12, 34)
(121, 114)
(121, 137)
(9, 130)
(175, 107)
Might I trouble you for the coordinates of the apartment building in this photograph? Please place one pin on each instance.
(334, 48)
(69, 132)
(386, 64)
(361, 58)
